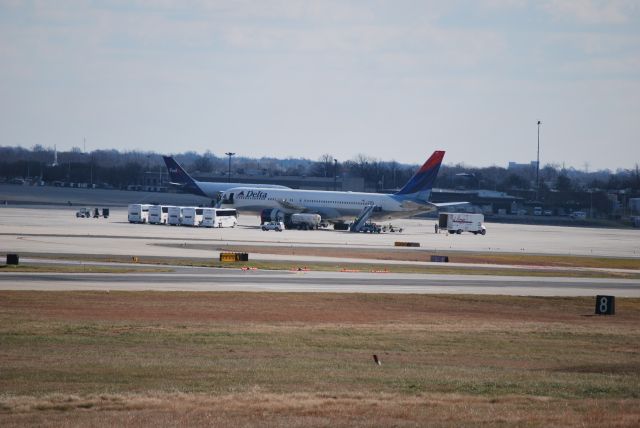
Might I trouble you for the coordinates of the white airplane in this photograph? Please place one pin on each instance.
(412, 199)
(211, 189)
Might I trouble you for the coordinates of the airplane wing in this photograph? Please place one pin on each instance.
(449, 204)
(415, 206)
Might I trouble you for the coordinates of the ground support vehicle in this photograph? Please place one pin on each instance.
(370, 228)
(391, 228)
(278, 226)
(83, 213)
(304, 221)
(462, 222)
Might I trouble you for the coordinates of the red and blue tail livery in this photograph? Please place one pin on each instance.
(423, 180)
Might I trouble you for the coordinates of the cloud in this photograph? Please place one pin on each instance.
(592, 11)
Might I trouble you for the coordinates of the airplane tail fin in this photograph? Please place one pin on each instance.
(421, 183)
(176, 173)
(178, 176)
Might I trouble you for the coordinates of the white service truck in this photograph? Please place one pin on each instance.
(462, 222)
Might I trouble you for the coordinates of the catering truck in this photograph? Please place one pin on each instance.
(462, 222)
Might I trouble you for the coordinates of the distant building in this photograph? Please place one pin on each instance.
(480, 201)
(522, 166)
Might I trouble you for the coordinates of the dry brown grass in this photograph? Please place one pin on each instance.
(256, 408)
(246, 359)
(521, 264)
(422, 255)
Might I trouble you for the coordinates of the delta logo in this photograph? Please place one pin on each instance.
(251, 194)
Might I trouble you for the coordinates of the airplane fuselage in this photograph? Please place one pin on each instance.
(212, 189)
(332, 206)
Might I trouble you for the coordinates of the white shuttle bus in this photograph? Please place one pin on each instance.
(191, 216)
(174, 216)
(139, 213)
(208, 217)
(226, 217)
(158, 214)
(219, 217)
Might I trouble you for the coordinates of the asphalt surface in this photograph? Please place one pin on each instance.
(187, 279)
(56, 230)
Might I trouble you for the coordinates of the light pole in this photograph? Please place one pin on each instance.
(229, 154)
(335, 175)
(538, 164)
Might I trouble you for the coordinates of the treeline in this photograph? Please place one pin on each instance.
(120, 169)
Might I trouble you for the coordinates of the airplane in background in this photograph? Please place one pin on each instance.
(211, 189)
(336, 207)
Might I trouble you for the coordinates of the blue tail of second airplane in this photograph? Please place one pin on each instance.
(179, 177)
(420, 185)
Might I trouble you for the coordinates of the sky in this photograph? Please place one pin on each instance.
(393, 80)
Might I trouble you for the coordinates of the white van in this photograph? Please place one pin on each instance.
(175, 216)
(158, 214)
(138, 213)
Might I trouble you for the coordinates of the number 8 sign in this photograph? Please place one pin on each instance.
(605, 305)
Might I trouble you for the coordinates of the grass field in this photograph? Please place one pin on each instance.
(95, 358)
(423, 255)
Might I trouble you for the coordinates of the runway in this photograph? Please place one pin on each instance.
(335, 282)
(50, 230)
